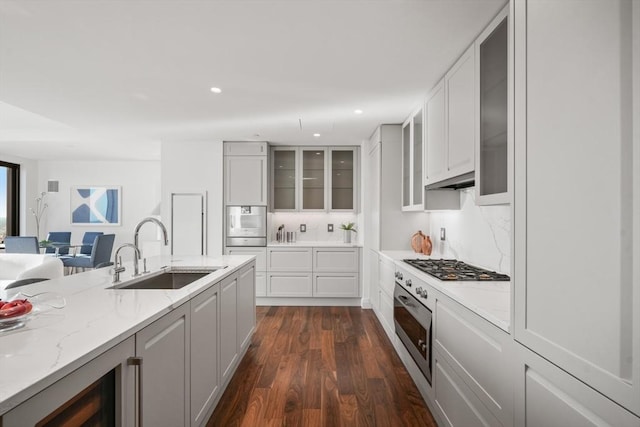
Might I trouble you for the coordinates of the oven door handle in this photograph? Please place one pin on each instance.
(405, 301)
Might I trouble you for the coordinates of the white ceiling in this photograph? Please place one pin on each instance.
(111, 79)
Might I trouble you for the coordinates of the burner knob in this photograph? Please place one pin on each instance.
(400, 276)
(396, 274)
(408, 282)
(419, 290)
(422, 292)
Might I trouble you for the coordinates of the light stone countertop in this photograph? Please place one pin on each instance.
(54, 343)
(489, 300)
(316, 244)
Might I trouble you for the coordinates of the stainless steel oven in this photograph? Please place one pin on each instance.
(413, 326)
(246, 226)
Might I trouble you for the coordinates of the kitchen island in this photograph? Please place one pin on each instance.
(97, 317)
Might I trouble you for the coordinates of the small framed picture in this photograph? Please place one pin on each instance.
(96, 205)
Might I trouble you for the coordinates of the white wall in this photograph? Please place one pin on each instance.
(140, 182)
(195, 167)
(28, 191)
(479, 235)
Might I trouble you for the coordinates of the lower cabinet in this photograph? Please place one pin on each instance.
(384, 290)
(289, 284)
(229, 328)
(548, 396)
(164, 349)
(101, 392)
(457, 405)
(205, 372)
(246, 301)
(479, 353)
(336, 285)
(261, 265)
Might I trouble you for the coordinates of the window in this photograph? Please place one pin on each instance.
(9, 199)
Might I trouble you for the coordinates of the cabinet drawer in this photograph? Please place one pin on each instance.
(260, 253)
(289, 259)
(335, 260)
(457, 404)
(386, 275)
(289, 285)
(335, 285)
(479, 353)
(245, 148)
(386, 311)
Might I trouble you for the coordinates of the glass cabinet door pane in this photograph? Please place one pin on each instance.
(284, 179)
(417, 158)
(406, 166)
(493, 112)
(342, 179)
(313, 179)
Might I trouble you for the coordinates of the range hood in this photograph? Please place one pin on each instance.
(444, 195)
(455, 183)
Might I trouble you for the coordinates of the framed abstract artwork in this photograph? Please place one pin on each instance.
(96, 205)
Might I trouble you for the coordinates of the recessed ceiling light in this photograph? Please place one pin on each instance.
(216, 90)
(358, 111)
(316, 135)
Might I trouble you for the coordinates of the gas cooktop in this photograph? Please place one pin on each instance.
(451, 269)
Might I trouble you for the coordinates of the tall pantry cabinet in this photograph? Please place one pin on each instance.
(577, 211)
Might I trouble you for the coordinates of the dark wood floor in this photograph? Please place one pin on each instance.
(320, 366)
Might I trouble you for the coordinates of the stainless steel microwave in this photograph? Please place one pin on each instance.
(246, 226)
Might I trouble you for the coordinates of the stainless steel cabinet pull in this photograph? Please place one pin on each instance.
(137, 361)
(405, 300)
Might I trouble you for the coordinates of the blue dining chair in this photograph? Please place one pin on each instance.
(87, 240)
(59, 237)
(21, 245)
(100, 253)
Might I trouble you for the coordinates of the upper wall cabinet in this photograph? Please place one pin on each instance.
(577, 121)
(314, 179)
(450, 122)
(245, 173)
(412, 160)
(493, 134)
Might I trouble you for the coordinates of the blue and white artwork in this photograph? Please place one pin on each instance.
(95, 205)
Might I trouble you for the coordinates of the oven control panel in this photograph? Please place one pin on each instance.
(414, 286)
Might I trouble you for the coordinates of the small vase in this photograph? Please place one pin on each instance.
(427, 246)
(347, 236)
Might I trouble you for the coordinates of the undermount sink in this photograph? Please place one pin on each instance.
(173, 278)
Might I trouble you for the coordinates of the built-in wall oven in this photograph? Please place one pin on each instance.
(246, 226)
(413, 320)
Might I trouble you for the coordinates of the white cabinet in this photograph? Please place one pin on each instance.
(320, 179)
(164, 349)
(460, 337)
(289, 259)
(494, 134)
(331, 272)
(450, 123)
(229, 327)
(412, 160)
(246, 314)
(335, 260)
(245, 175)
(205, 348)
(461, 113)
(548, 396)
(261, 265)
(289, 284)
(384, 288)
(577, 304)
(457, 405)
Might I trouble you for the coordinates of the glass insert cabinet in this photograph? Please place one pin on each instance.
(312, 179)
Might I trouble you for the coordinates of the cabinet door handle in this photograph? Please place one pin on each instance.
(137, 361)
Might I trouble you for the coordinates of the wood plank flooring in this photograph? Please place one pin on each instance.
(320, 366)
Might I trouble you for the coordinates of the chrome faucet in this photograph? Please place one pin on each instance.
(119, 268)
(155, 221)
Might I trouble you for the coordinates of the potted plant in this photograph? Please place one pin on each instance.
(348, 228)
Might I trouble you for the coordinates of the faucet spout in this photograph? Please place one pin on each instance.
(155, 221)
(118, 262)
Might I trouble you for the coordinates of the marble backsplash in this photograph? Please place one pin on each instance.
(479, 235)
(316, 223)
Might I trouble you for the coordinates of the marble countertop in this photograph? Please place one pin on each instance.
(324, 243)
(490, 300)
(54, 343)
